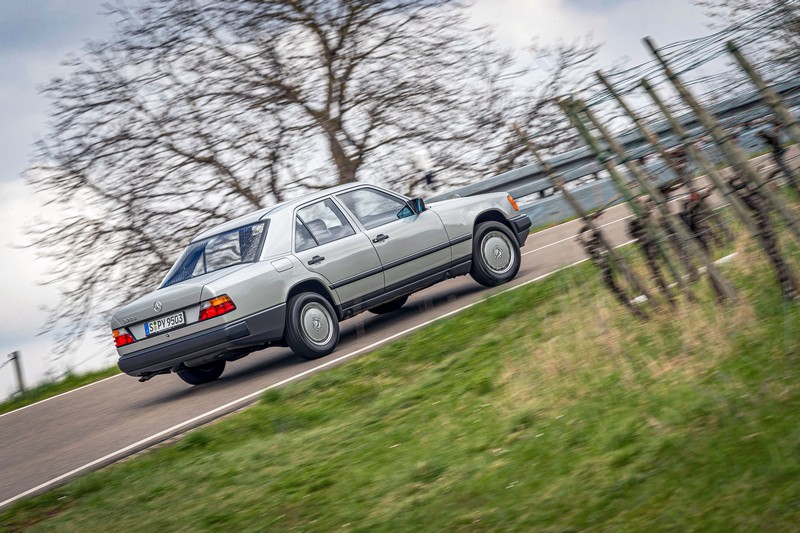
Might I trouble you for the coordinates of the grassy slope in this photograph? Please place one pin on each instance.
(47, 390)
(544, 409)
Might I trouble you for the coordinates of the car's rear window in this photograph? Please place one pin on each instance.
(233, 247)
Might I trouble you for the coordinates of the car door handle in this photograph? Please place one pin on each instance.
(380, 238)
(316, 259)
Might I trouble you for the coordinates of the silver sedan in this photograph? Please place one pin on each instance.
(288, 274)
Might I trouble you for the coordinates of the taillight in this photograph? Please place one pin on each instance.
(122, 337)
(216, 306)
(513, 203)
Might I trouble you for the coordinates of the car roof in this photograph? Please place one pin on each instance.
(287, 205)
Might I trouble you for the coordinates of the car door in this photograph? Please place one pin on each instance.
(327, 244)
(410, 248)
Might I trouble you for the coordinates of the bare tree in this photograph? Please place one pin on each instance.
(200, 110)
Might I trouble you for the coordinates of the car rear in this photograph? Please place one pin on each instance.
(192, 318)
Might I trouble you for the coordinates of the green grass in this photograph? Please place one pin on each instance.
(545, 409)
(47, 390)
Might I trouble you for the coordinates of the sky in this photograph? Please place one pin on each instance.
(36, 35)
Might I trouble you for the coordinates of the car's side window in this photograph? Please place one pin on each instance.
(372, 208)
(320, 223)
(302, 237)
(232, 248)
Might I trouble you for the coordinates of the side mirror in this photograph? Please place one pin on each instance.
(412, 207)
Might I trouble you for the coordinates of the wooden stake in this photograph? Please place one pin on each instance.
(768, 95)
(16, 357)
(720, 284)
(558, 182)
(698, 155)
(732, 152)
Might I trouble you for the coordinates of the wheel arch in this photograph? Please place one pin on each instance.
(492, 215)
(314, 285)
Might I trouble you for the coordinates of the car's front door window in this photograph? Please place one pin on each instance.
(343, 259)
(372, 208)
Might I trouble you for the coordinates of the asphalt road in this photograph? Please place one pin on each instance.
(50, 442)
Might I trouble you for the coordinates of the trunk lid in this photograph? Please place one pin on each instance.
(168, 299)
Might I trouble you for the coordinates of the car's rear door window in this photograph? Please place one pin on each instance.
(372, 208)
(303, 240)
(320, 223)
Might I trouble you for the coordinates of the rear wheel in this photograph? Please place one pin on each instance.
(495, 254)
(197, 375)
(312, 329)
(389, 307)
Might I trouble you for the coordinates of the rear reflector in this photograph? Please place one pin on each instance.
(216, 306)
(122, 337)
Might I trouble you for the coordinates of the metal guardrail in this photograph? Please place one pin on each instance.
(586, 178)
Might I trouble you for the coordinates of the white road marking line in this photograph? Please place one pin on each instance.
(573, 237)
(17, 410)
(726, 259)
(121, 374)
(188, 424)
(626, 217)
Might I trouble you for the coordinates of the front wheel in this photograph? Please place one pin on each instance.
(312, 329)
(495, 254)
(197, 375)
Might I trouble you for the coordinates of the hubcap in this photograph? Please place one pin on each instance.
(497, 252)
(316, 323)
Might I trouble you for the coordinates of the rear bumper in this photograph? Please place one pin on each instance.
(255, 330)
(522, 226)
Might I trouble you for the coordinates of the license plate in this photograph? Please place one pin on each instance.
(164, 323)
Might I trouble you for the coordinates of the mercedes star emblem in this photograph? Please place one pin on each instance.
(157, 306)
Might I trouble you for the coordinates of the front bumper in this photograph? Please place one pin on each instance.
(255, 330)
(522, 226)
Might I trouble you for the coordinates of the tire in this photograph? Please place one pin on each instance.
(312, 329)
(389, 307)
(197, 375)
(495, 254)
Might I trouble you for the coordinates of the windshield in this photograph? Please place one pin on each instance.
(233, 247)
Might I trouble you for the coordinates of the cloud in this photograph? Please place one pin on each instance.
(49, 24)
(21, 270)
(21, 318)
(619, 24)
(595, 5)
(517, 23)
(34, 38)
